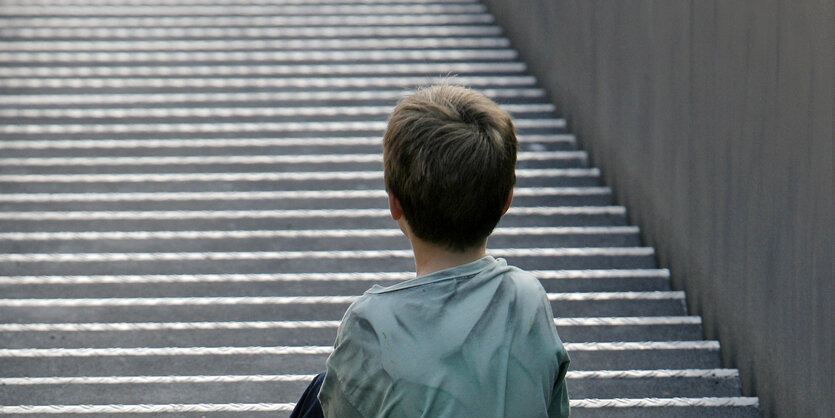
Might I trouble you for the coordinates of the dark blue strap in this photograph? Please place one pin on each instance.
(308, 406)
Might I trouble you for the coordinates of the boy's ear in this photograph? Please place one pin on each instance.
(507, 205)
(394, 207)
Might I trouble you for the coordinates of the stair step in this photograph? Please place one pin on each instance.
(358, 127)
(239, 146)
(132, 11)
(261, 97)
(270, 200)
(238, 85)
(259, 32)
(268, 333)
(307, 240)
(285, 388)
(293, 113)
(191, 187)
(554, 281)
(247, 21)
(653, 383)
(306, 261)
(304, 44)
(208, 182)
(311, 359)
(292, 219)
(248, 163)
(639, 407)
(295, 308)
(735, 407)
(223, 2)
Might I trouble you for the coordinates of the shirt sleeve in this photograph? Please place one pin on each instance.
(353, 378)
(333, 400)
(559, 407)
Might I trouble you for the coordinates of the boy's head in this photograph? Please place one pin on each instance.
(450, 157)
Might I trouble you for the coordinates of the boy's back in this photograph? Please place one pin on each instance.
(474, 340)
(469, 336)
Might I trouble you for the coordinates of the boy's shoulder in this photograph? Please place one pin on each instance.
(524, 281)
(476, 281)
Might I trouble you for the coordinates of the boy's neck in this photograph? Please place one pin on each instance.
(430, 258)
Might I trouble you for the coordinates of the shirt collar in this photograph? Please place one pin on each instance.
(470, 269)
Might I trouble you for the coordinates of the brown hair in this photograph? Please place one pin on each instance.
(450, 155)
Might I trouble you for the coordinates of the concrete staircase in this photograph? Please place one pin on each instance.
(191, 195)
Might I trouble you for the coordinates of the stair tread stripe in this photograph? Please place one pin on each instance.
(324, 126)
(168, 326)
(134, 99)
(655, 373)
(312, 233)
(261, 82)
(182, 326)
(251, 21)
(293, 300)
(291, 32)
(316, 350)
(284, 213)
(260, 195)
(312, 55)
(738, 401)
(136, 112)
(109, 11)
(146, 408)
(230, 2)
(267, 176)
(224, 142)
(288, 407)
(265, 70)
(236, 45)
(247, 159)
(295, 277)
(167, 379)
(48, 72)
(120, 380)
(295, 255)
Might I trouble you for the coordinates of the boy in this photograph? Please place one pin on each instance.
(469, 336)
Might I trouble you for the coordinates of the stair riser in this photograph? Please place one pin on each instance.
(669, 387)
(162, 100)
(591, 199)
(283, 223)
(360, 148)
(661, 412)
(376, 148)
(306, 244)
(299, 312)
(270, 392)
(571, 162)
(301, 288)
(208, 186)
(310, 364)
(225, 33)
(207, 131)
(309, 336)
(300, 266)
(221, 118)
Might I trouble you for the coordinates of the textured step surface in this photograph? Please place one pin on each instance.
(191, 195)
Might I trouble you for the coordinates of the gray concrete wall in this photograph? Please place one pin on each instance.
(713, 122)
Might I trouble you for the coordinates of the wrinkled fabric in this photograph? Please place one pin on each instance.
(476, 340)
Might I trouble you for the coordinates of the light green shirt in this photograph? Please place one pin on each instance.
(476, 340)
